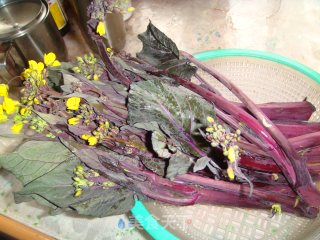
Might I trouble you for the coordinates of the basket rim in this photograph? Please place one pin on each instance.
(139, 211)
(262, 55)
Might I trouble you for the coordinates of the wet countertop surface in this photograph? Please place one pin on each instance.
(287, 27)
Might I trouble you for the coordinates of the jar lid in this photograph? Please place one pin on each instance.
(18, 17)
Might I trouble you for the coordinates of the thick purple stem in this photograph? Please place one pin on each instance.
(206, 84)
(240, 191)
(242, 116)
(304, 184)
(296, 128)
(109, 65)
(306, 141)
(286, 111)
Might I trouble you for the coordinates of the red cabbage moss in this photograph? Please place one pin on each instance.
(152, 128)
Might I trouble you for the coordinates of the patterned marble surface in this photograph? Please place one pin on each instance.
(286, 27)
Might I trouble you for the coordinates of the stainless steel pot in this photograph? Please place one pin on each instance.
(27, 31)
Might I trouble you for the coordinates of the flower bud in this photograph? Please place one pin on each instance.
(231, 154)
(210, 119)
(73, 121)
(92, 141)
(230, 173)
(209, 129)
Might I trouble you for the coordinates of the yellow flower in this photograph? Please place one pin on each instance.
(95, 77)
(210, 119)
(80, 59)
(85, 136)
(73, 121)
(78, 169)
(26, 73)
(101, 30)
(50, 60)
(92, 141)
(231, 154)
(4, 89)
(9, 105)
(43, 82)
(276, 208)
(17, 127)
(76, 69)
(108, 184)
(209, 129)
(230, 173)
(40, 66)
(73, 103)
(78, 192)
(33, 65)
(109, 50)
(36, 101)
(3, 116)
(107, 125)
(25, 111)
(130, 9)
(34, 72)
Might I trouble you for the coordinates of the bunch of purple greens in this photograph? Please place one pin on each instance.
(111, 128)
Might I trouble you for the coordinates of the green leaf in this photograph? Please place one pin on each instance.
(201, 163)
(56, 191)
(65, 66)
(162, 52)
(141, 73)
(107, 203)
(34, 159)
(148, 126)
(55, 79)
(53, 189)
(159, 144)
(157, 165)
(179, 164)
(68, 81)
(178, 111)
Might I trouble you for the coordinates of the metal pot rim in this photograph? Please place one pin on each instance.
(40, 17)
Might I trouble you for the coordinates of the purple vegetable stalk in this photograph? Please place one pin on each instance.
(243, 116)
(264, 139)
(189, 189)
(266, 164)
(110, 66)
(297, 128)
(286, 111)
(303, 183)
(306, 141)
